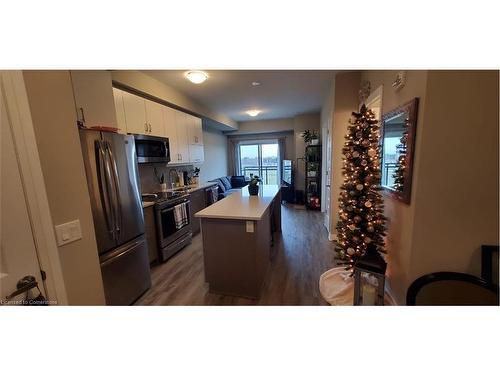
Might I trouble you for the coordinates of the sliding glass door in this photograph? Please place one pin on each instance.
(261, 159)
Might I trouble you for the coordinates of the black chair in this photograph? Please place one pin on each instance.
(451, 289)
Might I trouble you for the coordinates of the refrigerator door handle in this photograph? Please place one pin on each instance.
(101, 162)
(116, 189)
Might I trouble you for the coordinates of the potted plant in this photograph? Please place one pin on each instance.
(310, 137)
(253, 187)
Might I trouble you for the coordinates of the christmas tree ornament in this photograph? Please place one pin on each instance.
(361, 223)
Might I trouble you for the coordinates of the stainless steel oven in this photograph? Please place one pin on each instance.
(152, 149)
(173, 225)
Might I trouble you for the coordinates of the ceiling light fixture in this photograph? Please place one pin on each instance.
(255, 83)
(253, 112)
(197, 76)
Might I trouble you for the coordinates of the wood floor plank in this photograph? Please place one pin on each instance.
(300, 255)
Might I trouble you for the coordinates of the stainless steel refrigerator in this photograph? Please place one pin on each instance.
(113, 180)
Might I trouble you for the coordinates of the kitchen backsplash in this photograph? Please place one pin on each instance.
(149, 181)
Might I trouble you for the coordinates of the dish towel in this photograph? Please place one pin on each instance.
(180, 215)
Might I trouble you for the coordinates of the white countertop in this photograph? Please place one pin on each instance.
(191, 188)
(240, 205)
(188, 189)
(200, 186)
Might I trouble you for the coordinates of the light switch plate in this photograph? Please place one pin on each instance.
(68, 232)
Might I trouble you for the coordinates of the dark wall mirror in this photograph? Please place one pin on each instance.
(398, 146)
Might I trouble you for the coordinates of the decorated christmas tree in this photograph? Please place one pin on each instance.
(361, 225)
(399, 173)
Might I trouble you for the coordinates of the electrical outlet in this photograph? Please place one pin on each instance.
(68, 232)
(249, 226)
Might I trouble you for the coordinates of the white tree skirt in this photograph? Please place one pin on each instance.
(337, 288)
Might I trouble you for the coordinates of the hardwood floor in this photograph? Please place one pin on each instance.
(300, 255)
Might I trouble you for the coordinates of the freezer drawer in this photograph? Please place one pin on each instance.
(125, 272)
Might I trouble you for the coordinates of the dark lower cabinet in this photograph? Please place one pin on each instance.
(150, 226)
(198, 203)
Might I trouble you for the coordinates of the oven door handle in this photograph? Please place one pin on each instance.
(168, 209)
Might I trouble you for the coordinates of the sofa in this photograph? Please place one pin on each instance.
(229, 184)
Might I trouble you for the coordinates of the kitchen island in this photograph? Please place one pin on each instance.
(237, 237)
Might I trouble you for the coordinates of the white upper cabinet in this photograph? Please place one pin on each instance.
(120, 111)
(171, 133)
(135, 114)
(154, 118)
(182, 126)
(94, 101)
(195, 131)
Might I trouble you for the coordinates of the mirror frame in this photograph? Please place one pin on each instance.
(411, 108)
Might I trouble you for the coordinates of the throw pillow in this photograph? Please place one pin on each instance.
(238, 181)
(226, 182)
(222, 188)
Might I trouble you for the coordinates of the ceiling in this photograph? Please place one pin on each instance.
(281, 94)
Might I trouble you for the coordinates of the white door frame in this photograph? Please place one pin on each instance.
(12, 85)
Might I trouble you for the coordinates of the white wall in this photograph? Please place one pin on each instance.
(215, 164)
(264, 126)
(50, 95)
(456, 196)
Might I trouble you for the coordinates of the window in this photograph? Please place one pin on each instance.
(261, 159)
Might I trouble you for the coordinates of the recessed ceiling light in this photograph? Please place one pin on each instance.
(253, 112)
(197, 76)
(255, 83)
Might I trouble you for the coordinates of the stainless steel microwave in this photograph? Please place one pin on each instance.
(150, 149)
